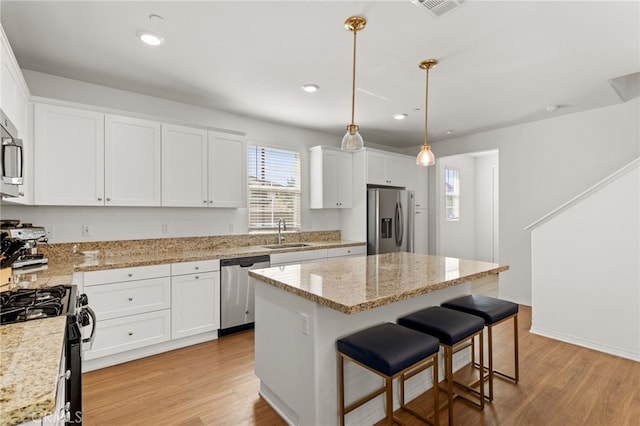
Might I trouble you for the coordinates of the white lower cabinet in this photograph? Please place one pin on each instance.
(195, 298)
(420, 237)
(132, 312)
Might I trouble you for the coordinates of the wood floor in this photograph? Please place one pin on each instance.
(214, 384)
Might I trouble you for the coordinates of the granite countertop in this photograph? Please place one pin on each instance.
(29, 367)
(355, 284)
(61, 269)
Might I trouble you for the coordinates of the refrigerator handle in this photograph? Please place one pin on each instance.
(399, 224)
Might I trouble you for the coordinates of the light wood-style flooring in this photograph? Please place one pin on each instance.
(214, 384)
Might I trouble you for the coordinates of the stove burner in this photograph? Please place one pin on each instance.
(28, 304)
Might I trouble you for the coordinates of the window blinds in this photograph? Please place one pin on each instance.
(274, 188)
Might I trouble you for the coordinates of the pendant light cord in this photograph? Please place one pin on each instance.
(353, 84)
(426, 107)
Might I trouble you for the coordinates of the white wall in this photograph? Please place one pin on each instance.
(586, 274)
(130, 223)
(542, 165)
(484, 165)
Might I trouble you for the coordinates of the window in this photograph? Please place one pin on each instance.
(274, 188)
(451, 194)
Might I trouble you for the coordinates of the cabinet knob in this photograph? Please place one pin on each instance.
(99, 199)
(21, 194)
(129, 274)
(108, 199)
(131, 299)
(197, 277)
(210, 201)
(131, 333)
(196, 267)
(204, 201)
(67, 374)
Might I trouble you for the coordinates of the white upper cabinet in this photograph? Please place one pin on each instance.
(420, 186)
(69, 156)
(387, 169)
(331, 178)
(14, 101)
(132, 162)
(184, 166)
(227, 170)
(202, 169)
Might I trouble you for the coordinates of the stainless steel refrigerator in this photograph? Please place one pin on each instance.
(389, 220)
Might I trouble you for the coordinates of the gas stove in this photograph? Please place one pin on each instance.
(30, 304)
(33, 304)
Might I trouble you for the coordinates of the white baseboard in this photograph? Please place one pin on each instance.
(597, 346)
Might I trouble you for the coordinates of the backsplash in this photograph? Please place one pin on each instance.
(168, 245)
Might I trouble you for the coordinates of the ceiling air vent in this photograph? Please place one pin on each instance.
(439, 7)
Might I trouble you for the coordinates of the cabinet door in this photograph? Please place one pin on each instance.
(184, 166)
(397, 170)
(330, 179)
(69, 156)
(421, 186)
(344, 184)
(132, 162)
(376, 168)
(420, 237)
(227, 170)
(195, 304)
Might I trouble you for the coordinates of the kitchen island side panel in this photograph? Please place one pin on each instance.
(298, 372)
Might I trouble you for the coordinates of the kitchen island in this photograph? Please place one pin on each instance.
(301, 310)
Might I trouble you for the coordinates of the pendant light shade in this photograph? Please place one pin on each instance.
(352, 140)
(425, 156)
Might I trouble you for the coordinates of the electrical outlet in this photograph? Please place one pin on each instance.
(305, 324)
(86, 230)
(165, 228)
(51, 232)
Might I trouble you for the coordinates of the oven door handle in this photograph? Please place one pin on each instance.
(93, 327)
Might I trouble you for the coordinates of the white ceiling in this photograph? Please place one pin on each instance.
(501, 62)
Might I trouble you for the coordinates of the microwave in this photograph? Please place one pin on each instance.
(11, 157)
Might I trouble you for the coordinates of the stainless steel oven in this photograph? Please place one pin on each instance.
(11, 157)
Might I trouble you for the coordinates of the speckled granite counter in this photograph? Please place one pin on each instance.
(30, 356)
(67, 258)
(356, 284)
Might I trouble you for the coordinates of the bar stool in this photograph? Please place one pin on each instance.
(390, 351)
(454, 330)
(493, 311)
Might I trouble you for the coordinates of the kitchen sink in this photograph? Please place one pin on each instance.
(283, 246)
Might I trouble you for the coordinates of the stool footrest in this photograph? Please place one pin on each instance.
(364, 400)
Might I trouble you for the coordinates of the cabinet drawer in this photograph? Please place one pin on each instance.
(347, 251)
(297, 256)
(132, 332)
(200, 266)
(120, 299)
(126, 274)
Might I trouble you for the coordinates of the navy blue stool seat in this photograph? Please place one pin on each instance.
(389, 351)
(454, 330)
(493, 311)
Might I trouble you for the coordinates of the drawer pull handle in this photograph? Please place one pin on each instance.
(197, 277)
(129, 274)
(131, 299)
(131, 333)
(196, 268)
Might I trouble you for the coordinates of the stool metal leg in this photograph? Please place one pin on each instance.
(341, 387)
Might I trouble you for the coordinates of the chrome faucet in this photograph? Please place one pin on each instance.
(282, 226)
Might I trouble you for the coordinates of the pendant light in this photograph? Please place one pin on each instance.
(425, 156)
(352, 141)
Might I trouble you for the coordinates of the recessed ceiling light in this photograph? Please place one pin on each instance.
(449, 132)
(552, 108)
(400, 116)
(156, 19)
(310, 87)
(152, 39)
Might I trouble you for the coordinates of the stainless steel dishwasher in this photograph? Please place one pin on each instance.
(236, 293)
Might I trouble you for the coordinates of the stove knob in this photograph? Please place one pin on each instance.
(83, 300)
(85, 319)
